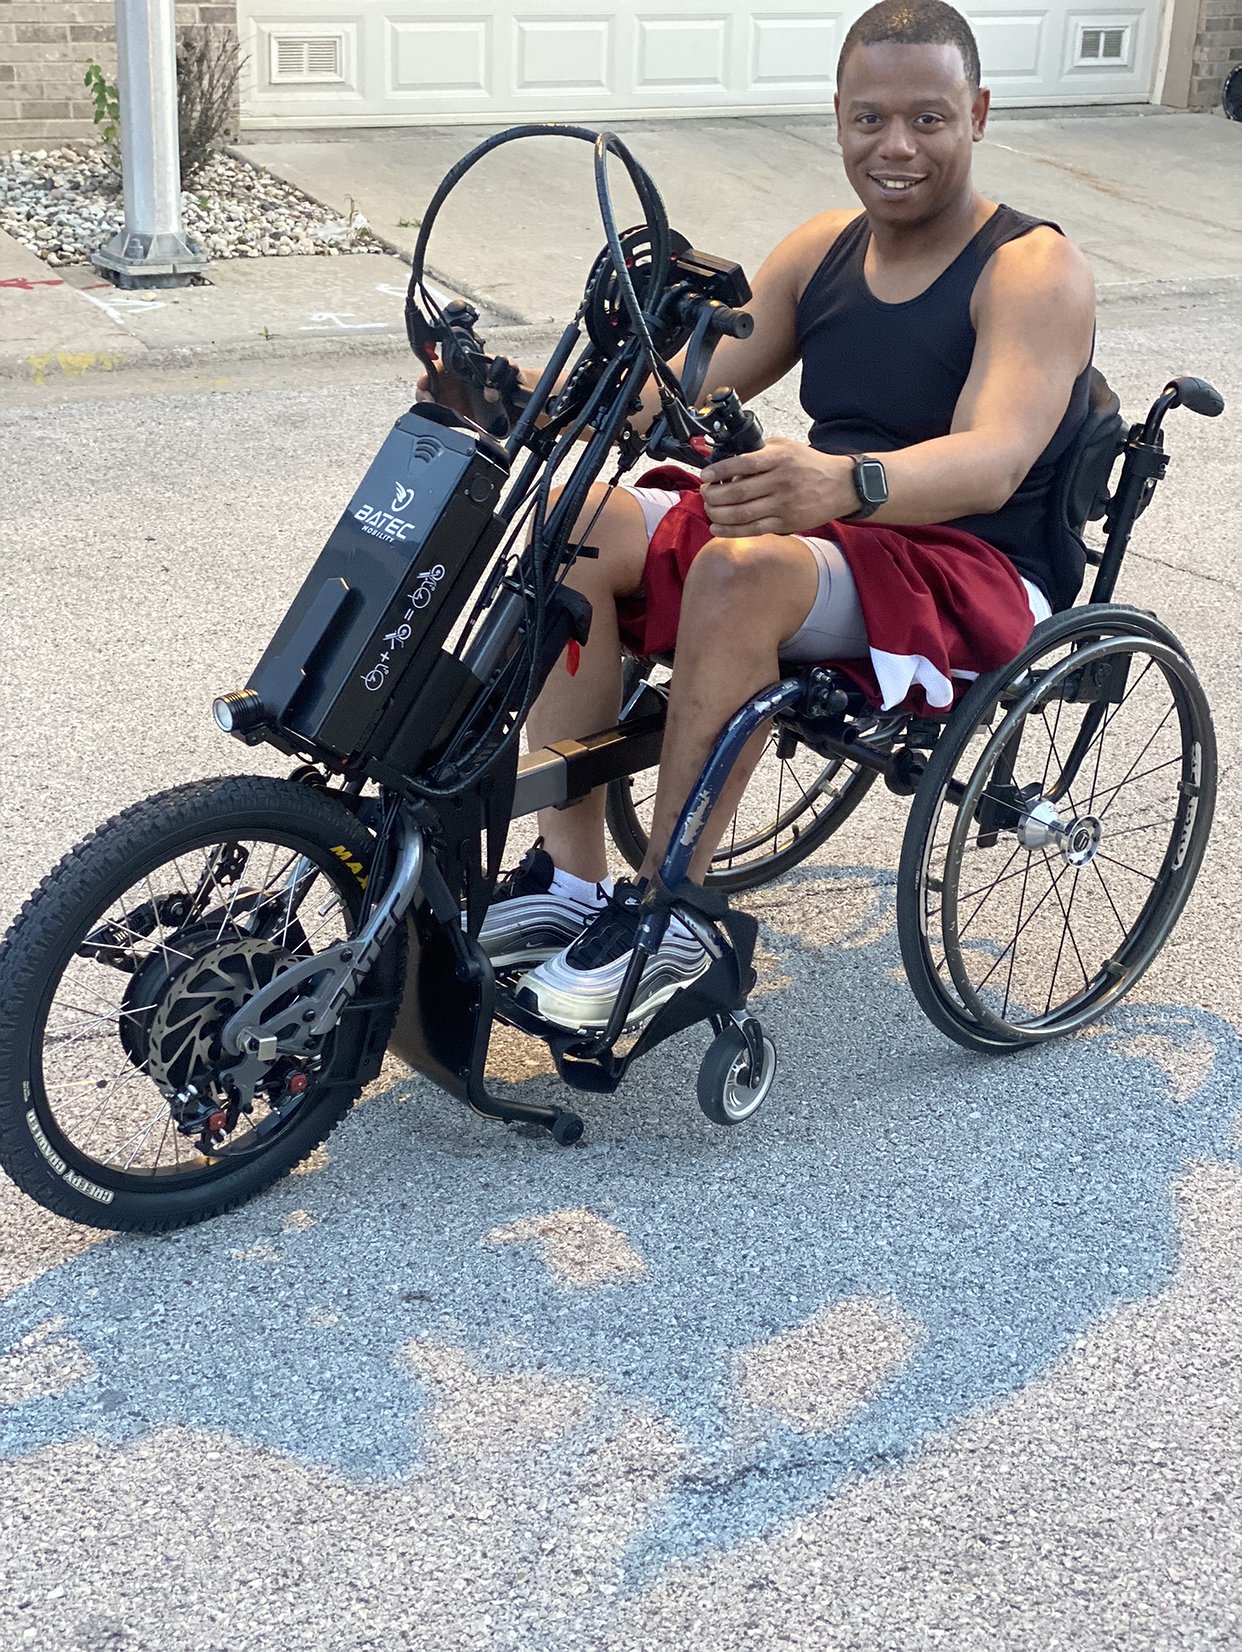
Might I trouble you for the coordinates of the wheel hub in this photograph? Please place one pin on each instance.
(187, 999)
(1078, 841)
(1081, 840)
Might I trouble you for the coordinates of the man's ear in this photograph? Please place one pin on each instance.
(979, 113)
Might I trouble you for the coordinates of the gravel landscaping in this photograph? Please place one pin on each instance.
(64, 203)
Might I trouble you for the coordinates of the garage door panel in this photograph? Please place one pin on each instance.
(1013, 46)
(1105, 47)
(563, 54)
(794, 54)
(435, 60)
(682, 54)
(440, 57)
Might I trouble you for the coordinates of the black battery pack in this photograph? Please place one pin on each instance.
(370, 617)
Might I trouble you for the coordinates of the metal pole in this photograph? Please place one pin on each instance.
(151, 250)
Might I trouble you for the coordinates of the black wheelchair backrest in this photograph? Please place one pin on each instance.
(1087, 464)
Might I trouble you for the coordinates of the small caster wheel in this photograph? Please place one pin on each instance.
(567, 1129)
(724, 1094)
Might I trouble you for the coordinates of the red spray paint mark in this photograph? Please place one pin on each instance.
(24, 285)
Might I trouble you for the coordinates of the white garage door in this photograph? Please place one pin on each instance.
(397, 61)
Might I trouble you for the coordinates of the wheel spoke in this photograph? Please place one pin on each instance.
(118, 1043)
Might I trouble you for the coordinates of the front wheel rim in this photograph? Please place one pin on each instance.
(153, 1156)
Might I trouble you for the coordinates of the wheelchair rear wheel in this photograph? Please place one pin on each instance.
(1056, 831)
(796, 799)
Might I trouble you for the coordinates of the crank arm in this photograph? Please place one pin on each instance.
(267, 1026)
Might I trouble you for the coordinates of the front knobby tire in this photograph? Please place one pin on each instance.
(109, 1006)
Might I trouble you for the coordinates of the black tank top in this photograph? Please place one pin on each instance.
(877, 377)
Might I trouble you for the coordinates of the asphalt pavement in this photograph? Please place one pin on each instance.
(935, 1352)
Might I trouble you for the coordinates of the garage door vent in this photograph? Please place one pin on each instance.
(1101, 45)
(302, 58)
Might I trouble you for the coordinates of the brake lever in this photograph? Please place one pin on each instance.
(720, 429)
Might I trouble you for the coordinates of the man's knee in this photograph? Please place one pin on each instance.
(749, 575)
(611, 523)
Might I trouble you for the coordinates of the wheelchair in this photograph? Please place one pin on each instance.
(194, 997)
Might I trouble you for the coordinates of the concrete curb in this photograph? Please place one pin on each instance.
(50, 368)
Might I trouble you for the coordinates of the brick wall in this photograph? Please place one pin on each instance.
(1218, 47)
(45, 46)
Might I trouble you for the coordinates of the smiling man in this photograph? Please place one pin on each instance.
(945, 342)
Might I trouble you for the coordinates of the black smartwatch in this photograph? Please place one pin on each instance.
(871, 486)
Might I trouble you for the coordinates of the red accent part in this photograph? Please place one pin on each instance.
(299, 1083)
(573, 657)
(701, 446)
(217, 1121)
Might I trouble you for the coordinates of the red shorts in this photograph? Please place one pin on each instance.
(940, 607)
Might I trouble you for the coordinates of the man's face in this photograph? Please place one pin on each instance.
(906, 120)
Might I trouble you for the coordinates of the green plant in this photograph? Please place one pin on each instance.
(107, 102)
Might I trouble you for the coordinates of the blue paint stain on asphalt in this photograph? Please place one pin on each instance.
(1004, 1205)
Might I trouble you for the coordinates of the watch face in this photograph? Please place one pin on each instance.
(872, 482)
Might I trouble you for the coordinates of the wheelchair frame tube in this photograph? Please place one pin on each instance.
(711, 782)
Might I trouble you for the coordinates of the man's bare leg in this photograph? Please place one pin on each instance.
(743, 597)
(591, 700)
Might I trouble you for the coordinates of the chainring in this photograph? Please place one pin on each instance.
(607, 320)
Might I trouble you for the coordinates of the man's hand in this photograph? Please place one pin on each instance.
(450, 390)
(786, 487)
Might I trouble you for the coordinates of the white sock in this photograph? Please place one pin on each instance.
(583, 890)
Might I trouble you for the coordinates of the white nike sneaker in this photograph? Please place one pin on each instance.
(579, 986)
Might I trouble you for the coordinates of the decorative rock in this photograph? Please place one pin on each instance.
(64, 203)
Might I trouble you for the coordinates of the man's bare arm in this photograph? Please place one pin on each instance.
(1034, 320)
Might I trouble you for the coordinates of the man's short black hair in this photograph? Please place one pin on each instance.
(915, 23)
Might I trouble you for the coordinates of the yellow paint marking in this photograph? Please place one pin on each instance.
(72, 363)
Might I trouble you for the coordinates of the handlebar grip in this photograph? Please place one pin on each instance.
(734, 323)
(1199, 396)
(464, 354)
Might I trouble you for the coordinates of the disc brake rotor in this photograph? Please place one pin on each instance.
(176, 1039)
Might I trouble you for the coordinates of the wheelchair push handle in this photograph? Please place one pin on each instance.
(1199, 396)
(1196, 394)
